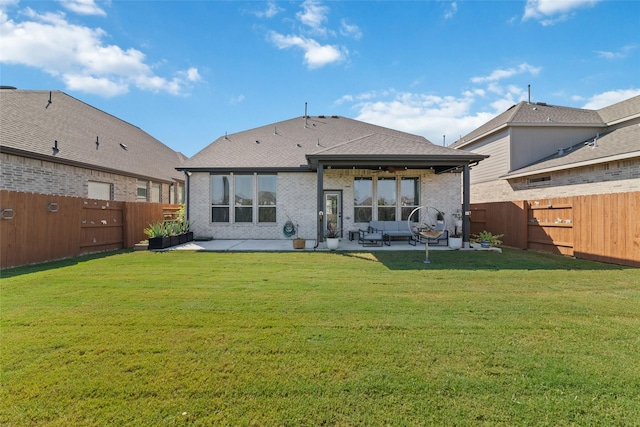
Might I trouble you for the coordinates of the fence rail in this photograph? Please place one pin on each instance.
(602, 227)
(39, 227)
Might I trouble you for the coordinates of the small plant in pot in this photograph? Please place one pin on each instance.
(455, 238)
(298, 242)
(158, 235)
(486, 239)
(332, 236)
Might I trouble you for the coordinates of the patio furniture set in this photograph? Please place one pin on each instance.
(379, 233)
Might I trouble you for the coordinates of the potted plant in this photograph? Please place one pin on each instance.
(298, 242)
(455, 238)
(486, 239)
(158, 235)
(440, 216)
(457, 217)
(173, 227)
(332, 236)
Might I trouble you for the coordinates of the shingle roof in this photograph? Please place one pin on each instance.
(29, 125)
(621, 111)
(530, 114)
(617, 144)
(287, 144)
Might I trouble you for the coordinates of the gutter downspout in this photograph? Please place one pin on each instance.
(319, 201)
(186, 195)
(466, 207)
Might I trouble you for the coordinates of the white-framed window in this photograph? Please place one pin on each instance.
(100, 190)
(220, 192)
(376, 199)
(156, 192)
(141, 194)
(363, 199)
(244, 198)
(267, 198)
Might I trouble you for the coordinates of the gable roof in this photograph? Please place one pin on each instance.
(619, 144)
(302, 142)
(533, 114)
(621, 111)
(30, 125)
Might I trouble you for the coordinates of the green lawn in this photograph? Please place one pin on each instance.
(368, 339)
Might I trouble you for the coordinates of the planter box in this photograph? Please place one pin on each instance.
(159, 242)
(298, 243)
(175, 240)
(183, 238)
(189, 236)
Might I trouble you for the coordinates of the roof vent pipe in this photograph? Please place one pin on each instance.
(305, 114)
(529, 91)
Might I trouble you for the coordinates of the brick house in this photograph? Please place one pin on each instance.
(53, 143)
(540, 151)
(247, 185)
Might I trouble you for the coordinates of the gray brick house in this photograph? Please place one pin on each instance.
(540, 151)
(53, 143)
(247, 185)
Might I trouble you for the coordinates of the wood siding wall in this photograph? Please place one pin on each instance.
(602, 227)
(38, 227)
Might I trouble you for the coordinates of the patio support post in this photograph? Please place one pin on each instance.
(466, 207)
(320, 201)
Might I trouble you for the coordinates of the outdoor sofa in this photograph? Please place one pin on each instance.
(381, 232)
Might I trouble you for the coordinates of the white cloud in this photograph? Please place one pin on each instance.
(549, 12)
(315, 54)
(350, 30)
(608, 98)
(452, 10)
(78, 56)
(83, 7)
(314, 16)
(620, 54)
(500, 74)
(421, 114)
(271, 10)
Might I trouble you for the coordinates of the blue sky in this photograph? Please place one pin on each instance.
(186, 72)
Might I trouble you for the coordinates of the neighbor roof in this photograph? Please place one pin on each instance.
(302, 142)
(621, 111)
(32, 120)
(619, 144)
(534, 114)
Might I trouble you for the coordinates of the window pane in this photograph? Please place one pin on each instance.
(266, 214)
(219, 214)
(219, 190)
(409, 191)
(363, 192)
(155, 193)
(99, 190)
(405, 212)
(244, 190)
(387, 214)
(244, 214)
(267, 185)
(362, 214)
(386, 192)
(142, 191)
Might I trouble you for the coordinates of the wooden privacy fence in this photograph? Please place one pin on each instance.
(39, 227)
(601, 227)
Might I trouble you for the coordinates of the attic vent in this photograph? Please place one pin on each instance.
(335, 117)
(321, 117)
(124, 147)
(544, 104)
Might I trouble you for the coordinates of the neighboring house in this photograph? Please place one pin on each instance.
(247, 185)
(52, 143)
(540, 151)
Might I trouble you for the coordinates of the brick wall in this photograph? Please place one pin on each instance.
(297, 200)
(43, 177)
(614, 177)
